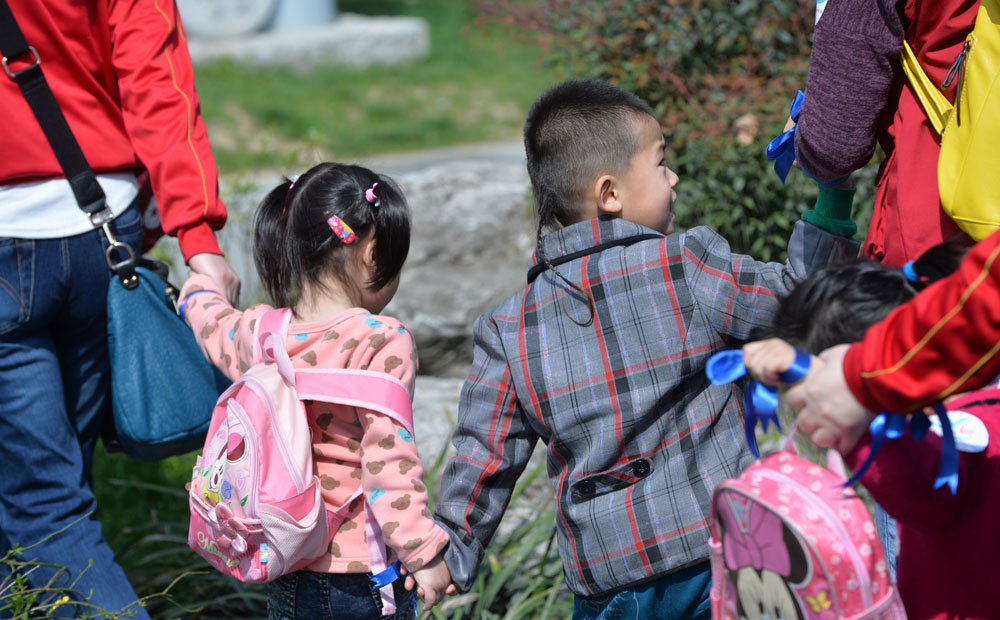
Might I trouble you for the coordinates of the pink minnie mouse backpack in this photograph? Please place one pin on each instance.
(789, 541)
(256, 508)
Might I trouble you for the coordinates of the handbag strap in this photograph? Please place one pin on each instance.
(87, 191)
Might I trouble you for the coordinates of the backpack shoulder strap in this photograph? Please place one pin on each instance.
(275, 321)
(358, 388)
(936, 106)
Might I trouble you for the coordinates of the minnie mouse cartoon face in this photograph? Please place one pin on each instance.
(765, 561)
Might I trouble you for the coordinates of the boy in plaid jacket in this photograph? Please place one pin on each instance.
(602, 357)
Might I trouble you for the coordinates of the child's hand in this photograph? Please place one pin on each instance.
(433, 581)
(766, 359)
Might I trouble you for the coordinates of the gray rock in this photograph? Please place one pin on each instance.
(352, 40)
(472, 237)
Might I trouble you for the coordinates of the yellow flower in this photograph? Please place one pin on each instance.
(59, 603)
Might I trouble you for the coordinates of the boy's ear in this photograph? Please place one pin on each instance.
(607, 195)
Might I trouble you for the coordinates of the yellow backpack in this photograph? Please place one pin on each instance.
(969, 164)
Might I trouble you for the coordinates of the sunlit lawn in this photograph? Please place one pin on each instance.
(476, 85)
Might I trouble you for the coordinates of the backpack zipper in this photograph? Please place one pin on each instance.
(811, 499)
(958, 70)
(252, 502)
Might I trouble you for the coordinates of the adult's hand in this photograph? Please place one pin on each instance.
(216, 267)
(829, 411)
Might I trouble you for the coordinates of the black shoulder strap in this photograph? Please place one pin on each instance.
(31, 80)
(541, 267)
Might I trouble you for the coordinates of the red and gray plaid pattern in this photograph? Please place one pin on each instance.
(637, 436)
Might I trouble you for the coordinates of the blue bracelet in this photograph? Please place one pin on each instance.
(180, 309)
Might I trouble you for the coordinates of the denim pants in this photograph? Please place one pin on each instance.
(54, 396)
(308, 595)
(681, 595)
(888, 535)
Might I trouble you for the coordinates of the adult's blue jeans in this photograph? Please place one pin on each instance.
(54, 396)
(681, 595)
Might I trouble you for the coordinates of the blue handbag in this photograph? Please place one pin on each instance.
(163, 389)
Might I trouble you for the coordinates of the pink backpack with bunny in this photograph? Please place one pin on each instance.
(256, 508)
(788, 539)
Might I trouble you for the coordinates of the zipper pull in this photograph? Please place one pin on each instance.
(958, 70)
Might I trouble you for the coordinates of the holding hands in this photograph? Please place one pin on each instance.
(433, 582)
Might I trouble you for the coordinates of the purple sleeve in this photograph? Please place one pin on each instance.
(850, 76)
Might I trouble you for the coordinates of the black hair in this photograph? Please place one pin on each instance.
(294, 245)
(576, 131)
(939, 261)
(837, 304)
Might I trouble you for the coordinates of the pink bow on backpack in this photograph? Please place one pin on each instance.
(760, 544)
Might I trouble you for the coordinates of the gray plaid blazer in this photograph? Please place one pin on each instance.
(637, 438)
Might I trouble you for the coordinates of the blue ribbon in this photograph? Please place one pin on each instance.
(781, 150)
(887, 426)
(948, 469)
(760, 401)
(386, 577)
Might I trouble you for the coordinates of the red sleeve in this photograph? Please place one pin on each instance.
(944, 341)
(163, 119)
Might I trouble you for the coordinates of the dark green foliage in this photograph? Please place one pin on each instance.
(719, 74)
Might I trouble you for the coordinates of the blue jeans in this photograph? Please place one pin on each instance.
(308, 595)
(888, 535)
(54, 396)
(682, 595)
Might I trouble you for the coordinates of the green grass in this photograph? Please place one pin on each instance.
(476, 85)
(145, 517)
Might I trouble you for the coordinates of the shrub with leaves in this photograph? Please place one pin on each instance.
(719, 74)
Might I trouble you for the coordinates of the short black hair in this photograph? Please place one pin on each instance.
(576, 131)
(293, 244)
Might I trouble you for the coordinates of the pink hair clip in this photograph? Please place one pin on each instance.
(341, 229)
(371, 197)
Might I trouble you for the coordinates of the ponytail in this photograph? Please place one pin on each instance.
(295, 243)
(270, 245)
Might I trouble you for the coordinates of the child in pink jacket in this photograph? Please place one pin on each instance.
(330, 246)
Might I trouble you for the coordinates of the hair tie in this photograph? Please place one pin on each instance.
(341, 229)
(371, 197)
(911, 273)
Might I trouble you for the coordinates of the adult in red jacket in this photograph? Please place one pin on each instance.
(122, 76)
(857, 94)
